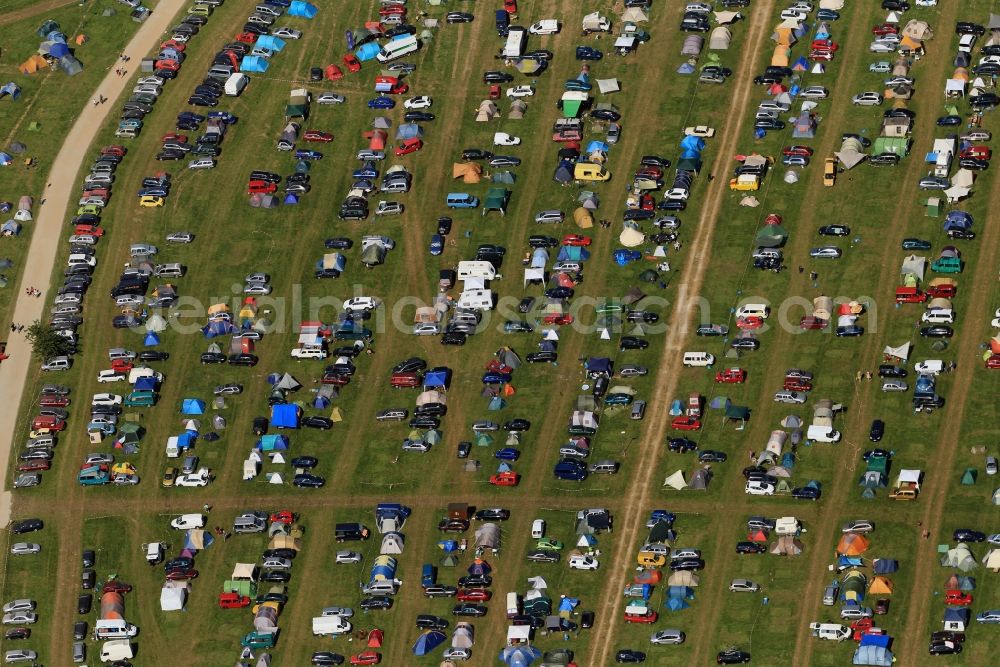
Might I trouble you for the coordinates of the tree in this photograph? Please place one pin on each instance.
(45, 342)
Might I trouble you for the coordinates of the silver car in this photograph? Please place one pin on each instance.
(791, 397)
(549, 216)
(348, 557)
(25, 548)
(19, 655)
(743, 586)
(894, 386)
(20, 618)
(826, 252)
(814, 93)
(19, 605)
(669, 636)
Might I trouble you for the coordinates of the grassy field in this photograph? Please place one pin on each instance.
(361, 459)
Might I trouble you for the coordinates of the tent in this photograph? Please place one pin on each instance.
(884, 565)
(787, 545)
(956, 619)
(302, 9)
(488, 536)
(720, 38)
(192, 406)
(254, 64)
(992, 560)
(969, 477)
(880, 586)
(683, 578)
(873, 655)
(70, 65)
(198, 540)
(33, 64)
(608, 86)
(959, 557)
(285, 415)
(852, 544)
(519, 656)
(469, 172)
(392, 543)
(172, 599)
(487, 111)
(428, 641)
(676, 481)
(676, 604)
(270, 42)
(12, 89)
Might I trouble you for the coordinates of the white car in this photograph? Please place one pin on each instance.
(20, 618)
(993, 539)
(669, 636)
(187, 522)
(202, 163)
(700, 131)
(257, 289)
(348, 557)
(583, 562)
(879, 46)
(361, 303)
(343, 612)
(421, 102)
(277, 563)
(743, 586)
(991, 465)
(416, 446)
(890, 38)
(106, 399)
(790, 397)
(20, 655)
(150, 81)
(814, 93)
(25, 548)
(825, 252)
(520, 91)
(180, 237)
(199, 478)
(82, 239)
(504, 139)
(759, 489)
(110, 376)
(77, 259)
(894, 386)
(330, 98)
(287, 33)
(794, 14)
(426, 329)
(544, 27)
(867, 99)
(858, 526)
(929, 367)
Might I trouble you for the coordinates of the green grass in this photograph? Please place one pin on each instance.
(45, 99)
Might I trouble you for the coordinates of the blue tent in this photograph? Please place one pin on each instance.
(55, 49)
(496, 403)
(439, 377)
(571, 253)
(272, 443)
(192, 406)
(285, 415)
(597, 146)
(504, 467)
(600, 365)
(428, 641)
(147, 383)
(367, 51)
(682, 592)
(217, 328)
(302, 9)
(254, 64)
(588, 540)
(448, 546)
(321, 402)
(198, 540)
(686, 68)
(480, 567)
(788, 460)
(873, 655)
(4, 159)
(876, 640)
(186, 440)
(568, 604)
(152, 339)
(520, 656)
(270, 42)
(884, 565)
(291, 199)
(10, 88)
(676, 604)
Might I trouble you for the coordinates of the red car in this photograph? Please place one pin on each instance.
(647, 203)
(794, 384)
(34, 466)
(953, 597)
(824, 45)
(411, 145)
(649, 172)
(173, 44)
(474, 595)
(560, 320)
(93, 230)
(334, 73)
(173, 136)
(941, 291)
(262, 187)
(246, 37)
(114, 150)
(810, 323)
(405, 380)
(884, 29)
(284, 516)
(749, 323)
(577, 240)
(47, 422)
(993, 361)
(731, 376)
(683, 423)
(797, 150)
(117, 587)
(182, 575)
(316, 135)
(337, 379)
(50, 401)
(392, 10)
(353, 64)
(976, 152)
(121, 365)
(497, 366)
(821, 55)
(366, 658)
(510, 6)
(648, 617)
(233, 601)
(505, 479)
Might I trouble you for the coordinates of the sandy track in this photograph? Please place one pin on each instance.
(694, 273)
(32, 10)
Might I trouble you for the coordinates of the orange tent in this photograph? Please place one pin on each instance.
(33, 64)
(852, 544)
(880, 586)
(81, 39)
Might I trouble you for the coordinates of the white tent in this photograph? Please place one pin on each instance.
(518, 634)
(954, 88)
(790, 177)
(538, 583)
(392, 543)
(901, 352)
(243, 571)
(277, 457)
(635, 15)
(631, 237)
(250, 469)
(818, 68)
(963, 178)
(172, 599)
(275, 478)
(992, 560)
(676, 481)
(608, 86)
(533, 274)
(720, 38)
(725, 18)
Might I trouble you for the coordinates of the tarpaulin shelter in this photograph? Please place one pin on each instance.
(302, 9)
(488, 536)
(676, 481)
(285, 415)
(608, 86)
(496, 200)
(254, 64)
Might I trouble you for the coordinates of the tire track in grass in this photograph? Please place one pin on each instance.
(641, 489)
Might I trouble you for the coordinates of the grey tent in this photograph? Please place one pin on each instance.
(70, 65)
(409, 131)
(288, 383)
(692, 45)
(563, 173)
(508, 357)
(700, 479)
(488, 536)
(373, 255)
(719, 41)
(772, 236)
(381, 123)
(504, 177)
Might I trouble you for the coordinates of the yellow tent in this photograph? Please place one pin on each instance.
(780, 56)
(33, 64)
(469, 172)
(880, 586)
(336, 416)
(583, 218)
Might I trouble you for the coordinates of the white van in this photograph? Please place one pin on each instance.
(330, 626)
(823, 434)
(538, 529)
(583, 562)
(513, 605)
(753, 310)
(698, 359)
(115, 628)
(398, 47)
(938, 316)
(173, 449)
(484, 270)
(235, 84)
(831, 631)
(144, 372)
(517, 40)
(308, 353)
(116, 649)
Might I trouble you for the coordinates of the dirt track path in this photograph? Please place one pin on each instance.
(694, 274)
(32, 10)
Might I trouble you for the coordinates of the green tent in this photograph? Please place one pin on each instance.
(896, 145)
(572, 103)
(484, 440)
(969, 477)
(772, 236)
(496, 200)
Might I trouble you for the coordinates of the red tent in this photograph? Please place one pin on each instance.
(334, 73)
(375, 638)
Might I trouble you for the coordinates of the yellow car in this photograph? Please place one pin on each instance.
(829, 172)
(89, 209)
(169, 475)
(148, 201)
(650, 559)
(204, 10)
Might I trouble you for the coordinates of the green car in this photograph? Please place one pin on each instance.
(916, 244)
(548, 544)
(618, 399)
(255, 640)
(143, 399)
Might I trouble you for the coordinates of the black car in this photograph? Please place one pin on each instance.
(632, 343)
(497, 77)
(890, 371)
(464, 449)
(541, 241)
(429, 622)
(545, 357)
(492, 514)
(588, 53)
(459, 17)
(213, 358)
(88, 579)
(559, 293)
(750, 548)
(769, 124)
(417, 116)
(27, 526)
(896, 5)
(654, 161)
(315, 73)
(444, 225)
(505, 161)
(476, 154)
(961, 234)
(469, 609)
(969, 28)
(610, 115)
(425, 421)
(326, 658)
(376, 602)
(968, 535)
(88, 558)
(290, 554)
(525, 304)
(307, 481)
(884, 159)
(431, 409)
(945, 648)
(947, 636)
(276, 576)
(745, 344)
(242, 360)
(339, 243)
(586, 620)
(80, 630)
(877, 430)
(712, 456)
(517, 425)
(304, 462)
(687, 564)
(411, 365)
(315, 421)
(949, 121)
(834, 230)
(259, 425)
(937, 331)
(806, 493)
(84, 603)
(475, 581)
(849, 331)
(151, 355)
(642, 316)
(453, 338)
(732, 656)
(682, 445)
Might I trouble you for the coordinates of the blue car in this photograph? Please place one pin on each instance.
(308, 155)
(366, 172)
(574, 471)
(154, 192)
(381, 102)
(577, 85)
(190, 115)
(588, 53)
(827, 15)
(508, 454)
(437, 245)
(496, 378)
(657, 516)
(225, 116)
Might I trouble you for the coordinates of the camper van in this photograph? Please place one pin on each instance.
(832, 631)
(478, 299)
(235, 84)
(116, 649)
(398, 47)
(753, 310)
(484, 270)
(698, 359)
(590, 171)
(513, 605)
(823, 434)
(115, 628)
(517, 40)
